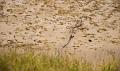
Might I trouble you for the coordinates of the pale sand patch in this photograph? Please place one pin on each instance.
(48, 24)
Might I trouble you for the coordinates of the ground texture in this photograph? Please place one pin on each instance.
(85, 28)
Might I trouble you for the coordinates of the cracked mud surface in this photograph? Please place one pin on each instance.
(90, 28)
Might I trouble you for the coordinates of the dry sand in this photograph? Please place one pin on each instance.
(49, 25)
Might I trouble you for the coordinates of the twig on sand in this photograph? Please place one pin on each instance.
(73, 30)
